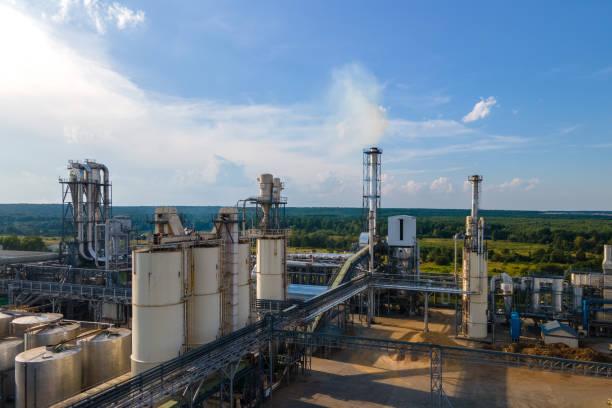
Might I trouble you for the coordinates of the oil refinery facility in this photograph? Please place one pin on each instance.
(230, 318)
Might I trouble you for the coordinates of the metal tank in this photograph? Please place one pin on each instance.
(270, 269)
(20, 324)
(52, 334)
(44, 376)
(205, 315)
(5, 324)
(157, 307)
(244, 289)
(106, 355)
(9, 348)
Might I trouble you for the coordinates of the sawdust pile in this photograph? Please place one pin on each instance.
(557, 350)
(431, 337)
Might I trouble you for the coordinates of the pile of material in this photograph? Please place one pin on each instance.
(557, 350)
(431, 337)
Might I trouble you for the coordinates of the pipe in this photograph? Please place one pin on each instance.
(29, 258)
(81, 223)
(106, 187)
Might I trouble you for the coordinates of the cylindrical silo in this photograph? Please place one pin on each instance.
(157, 307)
(9, 348)
(5, 324)
(52, 334)
(44, 376)
(20, 324)
(270, 269)
(106, 355)
(244, 290)
(205, 315)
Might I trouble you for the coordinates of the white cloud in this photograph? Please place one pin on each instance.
(441, 185)
(98, 14)
(57, 105)
(519, 184)
(480, 110)
(124, 17)
(412, 186)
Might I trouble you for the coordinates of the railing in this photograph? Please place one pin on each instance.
(464, 354)
(439, 283)
(68, 290)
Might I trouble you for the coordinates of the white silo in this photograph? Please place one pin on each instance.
(205, 315)
(270, 268)
(157, 307)
(244, 287)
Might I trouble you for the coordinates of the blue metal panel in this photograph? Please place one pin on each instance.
(515, 326)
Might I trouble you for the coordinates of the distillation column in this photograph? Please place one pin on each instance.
(475, 270)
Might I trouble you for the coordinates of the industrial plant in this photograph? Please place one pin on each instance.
(230, 316)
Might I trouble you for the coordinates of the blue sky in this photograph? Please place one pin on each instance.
(187, 102)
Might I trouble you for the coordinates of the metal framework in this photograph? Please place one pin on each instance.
(66, 291)
(185, 374)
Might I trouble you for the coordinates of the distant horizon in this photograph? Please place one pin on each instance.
(548, 212)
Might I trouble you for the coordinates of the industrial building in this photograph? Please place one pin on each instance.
(226, 317)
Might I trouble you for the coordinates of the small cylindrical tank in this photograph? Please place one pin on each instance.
(205, 316)
(52, 334)
(9, 348)
(20, 324)
(5, 324)
(157, 307)
(44, 376)
(270, 269)
(106, 355)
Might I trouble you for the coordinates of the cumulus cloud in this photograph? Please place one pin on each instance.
(519, 184)
(480, 110)
(98, 14)
(412, 186)
(441, 185)
(58, 104)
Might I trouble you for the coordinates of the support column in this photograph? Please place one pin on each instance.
(435, 373)
(370, 304)
(426, 311)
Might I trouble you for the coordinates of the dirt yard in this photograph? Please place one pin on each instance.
(370, 379)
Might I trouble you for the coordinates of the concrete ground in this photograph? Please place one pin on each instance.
(370, 379)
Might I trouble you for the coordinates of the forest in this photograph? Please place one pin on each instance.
(520, 241)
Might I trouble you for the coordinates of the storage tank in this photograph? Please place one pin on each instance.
(270, 269)
(244, 289)
(52, 334)
(20, 324)
(5, 324)
(205, 316)
(157, 307)
(9, 348)
(106, 355)
(44, 376)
